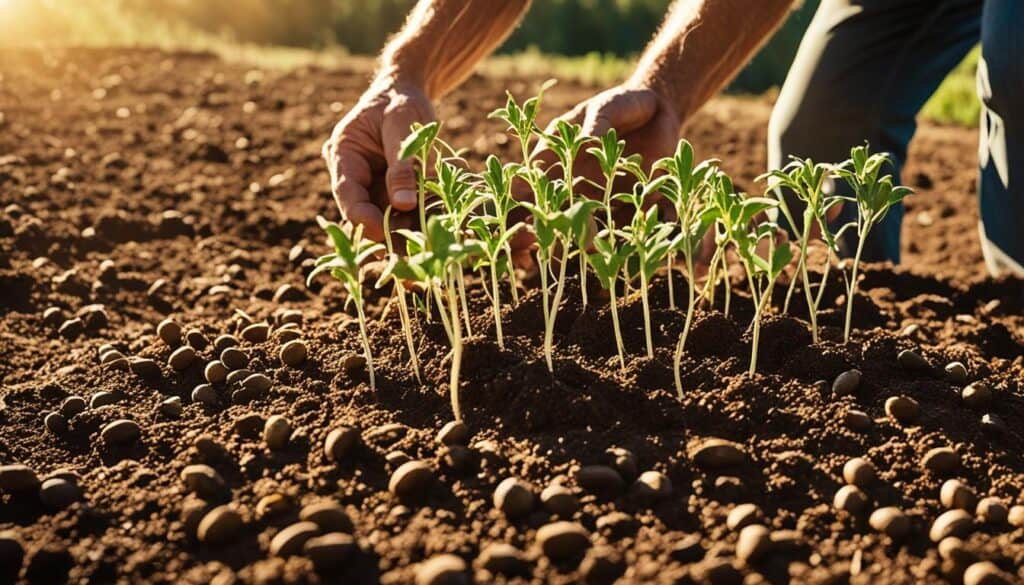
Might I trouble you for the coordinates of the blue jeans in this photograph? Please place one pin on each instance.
(864, 70)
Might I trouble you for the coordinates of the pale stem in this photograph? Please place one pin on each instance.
(542, 266)
(456, 352)
(669, 261)
(620, 346)
(497, 305)
(403, 312)
(549, 330)
(366, 341)
(647, 314)
(681, 344)
(852, 288)
(462, 297)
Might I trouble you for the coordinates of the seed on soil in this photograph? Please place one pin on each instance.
(204, 394)
(558, 500)
(716, 453)
(456, 458)
(742, 515)
(953, 550)
(912, 361)
(411, 479)
(890, 521)
(340, 442)
(256, 333)
(272, 505)
(616, 525)
(52, 316)
(955, 494)
(688, 549)
(287, 316)
(956, 372)
(276, 432)
(234, 358)
(293, 353)
(859, 472)
(196, 339)
(102, 398)
(846, 383)
(624, 461)
(121, 432)
(11, 552)
(204, 481)
(171, 407)
(257, 383)
(600, 479)
(514, 497)
(353, 363)
(71, 406)
(286, 335)
(563, 540)
(215, 372)
(111, 356)
(223, 342)
(986, 573)
(454, 432)
(396, 458)
(386, 434)
(56, 423)
(329, 516)
(602, 566)
(903, 409)
(992, 510)
(1016, 516)
(851, 499)
(501, 558)
(290, 540)
(443, 569)
(72, 328)
(977, 396)
(182, 358)
(57, 493)
(954, 522)
(941, 461)
(144, 368)
(754, 541)
(857, 420)
(219, 526)
(17, 478)
(330, 550)
(170, 332)
(237, 376)
(652, 485)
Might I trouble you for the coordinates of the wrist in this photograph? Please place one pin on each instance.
(676, 99)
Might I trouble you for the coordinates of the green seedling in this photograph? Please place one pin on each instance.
(608, 259)
(609, 157)
(419, 144)
(522, 120)
(398, 287)
(498, 180)
(351, 251)
(566, 142)
(494, 238)
(874, 197)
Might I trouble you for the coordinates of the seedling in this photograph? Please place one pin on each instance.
(874, 197)
(566, 142)
(498, 179)
(419, 144)
(607, 260)
(522, 120)
(346, 265)
(388, 277)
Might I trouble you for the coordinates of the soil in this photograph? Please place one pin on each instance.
(137, 158)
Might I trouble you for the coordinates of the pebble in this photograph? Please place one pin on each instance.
(625, 462)
(223, 342)
(182, 358)
(329, 516)
(219, 526)
(890, 521)
(353, 363)
(411, 479)
(57, 493)
(257, 383)
(293, 353)
(196, 339)
(56, 423)
(72, 405)
(754, 541)
(12, 552)
(290, 540)
(742, 515)
(1016, 516)
(215, 372)
(272, 505)
(941, 461)
(276, 432)
(688, 549)
(976, 396)
(443, 569)
(204, 394)
(558, 500)
(716, 453)
(234, 358)
(503, 559)
(514, 497)
(986, 573)
(330, 550)
(236, 376)
(955, 494)
(600, 479)
(846, 383)
(912, 361)
(859, 472)
(170, 332)
(256, 333)
(144, 368)
(956, 372)
(340, 442)
(102, 398)
(72, 328)
(171, 407)
(653, 485)
(858, 420)
(453, 433)
(53, 316)
(992, 510)
(121, 432)
(204, 481)
(457, 458)
(903, 409)
(563, 540)
(953, 550)
(851, 499)
(954, 522)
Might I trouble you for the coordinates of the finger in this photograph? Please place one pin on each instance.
(625, 112)
(352, 177)
(401, 175)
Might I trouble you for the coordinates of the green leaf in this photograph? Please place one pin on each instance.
(420, 140)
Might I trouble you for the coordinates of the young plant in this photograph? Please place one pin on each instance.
(522, 120)
(498, 180)
(419, 144)
(387, 277)
(608, 259)
(346, 265)
(609, 157)
(566, 142)
(873, 196)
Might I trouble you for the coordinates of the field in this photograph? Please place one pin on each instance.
(141, 185)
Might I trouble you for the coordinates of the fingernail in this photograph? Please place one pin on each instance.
(404, 200)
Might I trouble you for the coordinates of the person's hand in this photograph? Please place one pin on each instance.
(362, 156)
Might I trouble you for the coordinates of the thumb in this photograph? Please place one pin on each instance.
(399, 117)
(625, 111)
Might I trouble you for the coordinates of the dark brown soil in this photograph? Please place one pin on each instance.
(97, 146)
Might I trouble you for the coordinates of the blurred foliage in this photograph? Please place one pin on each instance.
(956, 100)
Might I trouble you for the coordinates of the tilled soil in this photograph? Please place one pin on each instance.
(142, 185)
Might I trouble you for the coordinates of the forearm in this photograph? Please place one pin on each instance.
(702, 44)
(443, 40)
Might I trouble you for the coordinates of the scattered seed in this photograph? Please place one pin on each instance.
(1016, 516)
(56, 423)
(742, 515)
(563, 540)
(396, 458)
(600, 479)
(182, 358)
(290, 540)
(956, 372)
(71, 406)
(286, 335)
(890, 521)
(234, 358)
(453, 433)
(58, 493)
(444, 569)
(955, 494)
(851, 499)
(941, 461)
(353, 363)
(110, 356)
(716, 453)
(53, 316)
(386, 434)
(276, 432)
(237, 376)
(558, 500)
(144, 368)
(514, 497)
(290, 316)
(992, 510)
(456, 457)
(652, 485)
(986, 573)
(121, 432)
(256, 333)
(754, 541)
(72, 328)
(340, 442)
(976, 396)
(223, 342)
(912, 361)
(170, 332)
(954, 522)
(953, 550)
(293, 353)
(330, 550)
(846, 383)
(171, 407)
(196, 339)
(257, 383)
(215, 372)
(859, 472)
(903, 409)
(624, 461)
(220, 525)
(204, 481)
(329, 516)
(688, 549)
(102, 398)
(17, 478)
(272, 505)
(501, 558)
(858, 420)
(204, 394)
(411, 479)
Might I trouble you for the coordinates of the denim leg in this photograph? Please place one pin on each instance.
(863, 71)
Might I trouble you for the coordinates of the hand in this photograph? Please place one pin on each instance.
(362, 156)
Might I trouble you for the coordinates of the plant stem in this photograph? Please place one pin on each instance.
(681, 344)
(727, 282)
(549, 329)
(647, 314)
(758, 309)
(811, 307)
(497, 305)
(852, 288)
(542, 266)
(366, 341)
(403, 312)
(620, 346)
(456, 352)
(669, 261)
(583, 277)
(461, 281)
